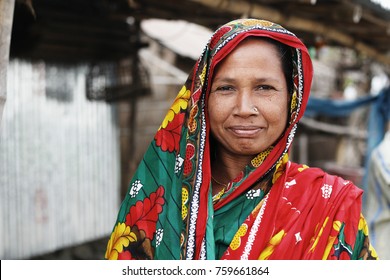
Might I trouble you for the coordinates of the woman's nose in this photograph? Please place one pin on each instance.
(245, 105)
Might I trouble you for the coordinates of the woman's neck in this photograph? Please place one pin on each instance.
(226, 167)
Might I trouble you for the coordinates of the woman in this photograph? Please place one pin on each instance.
(216, 182)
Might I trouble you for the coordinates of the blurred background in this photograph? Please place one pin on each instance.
(85, 84)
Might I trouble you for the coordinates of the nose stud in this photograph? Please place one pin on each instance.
(255, 109)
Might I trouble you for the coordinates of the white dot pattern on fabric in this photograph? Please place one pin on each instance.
(290, 184)
(179, 163)
(159, 236)
(135, 188)
(298, 237)
(251, 194)
(326, 190)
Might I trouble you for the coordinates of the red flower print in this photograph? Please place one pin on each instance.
(192, 124)
(168, 138)
(144, 214)
(239, 177)
(125, 255)
(218, 36)
(195, 97)
(190, 152)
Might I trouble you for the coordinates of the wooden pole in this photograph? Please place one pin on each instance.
(6, 18)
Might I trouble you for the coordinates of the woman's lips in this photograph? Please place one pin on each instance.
(245, 131)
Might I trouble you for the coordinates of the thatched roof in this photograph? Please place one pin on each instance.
(96, 29)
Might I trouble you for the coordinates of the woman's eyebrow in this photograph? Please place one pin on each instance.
(225, 79)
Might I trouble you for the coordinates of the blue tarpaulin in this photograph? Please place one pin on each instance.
(379, 115)
(335, 108)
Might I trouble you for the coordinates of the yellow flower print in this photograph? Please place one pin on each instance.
(258, 160)
(337, 226)
(184, 199)
(332, 237)
(275, 241)
(280, 167)
(251, 22)
(363, 225)
(180, 102)
(236, 242)
(192, 122)
(184, 211)
(218, 196)
(121, 237)
(202, 76)
(294, 101)
(317, 238)
(304, 166)
(374, 254)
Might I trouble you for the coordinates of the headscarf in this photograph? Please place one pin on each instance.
(168, 212)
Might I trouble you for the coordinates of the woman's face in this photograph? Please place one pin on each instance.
(247, 104)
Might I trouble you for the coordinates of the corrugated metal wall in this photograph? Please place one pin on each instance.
(59, 162)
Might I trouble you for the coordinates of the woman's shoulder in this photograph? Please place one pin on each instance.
(319, 175)
(304, 170)
(314, 181)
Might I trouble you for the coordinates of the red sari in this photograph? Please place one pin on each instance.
(308, 214)
(169, 212)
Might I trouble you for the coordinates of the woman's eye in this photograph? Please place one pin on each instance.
(265, 87)
(224, 88)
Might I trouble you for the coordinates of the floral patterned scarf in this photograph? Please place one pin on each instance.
(169, 212)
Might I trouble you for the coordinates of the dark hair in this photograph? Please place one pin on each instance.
(286, 58)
